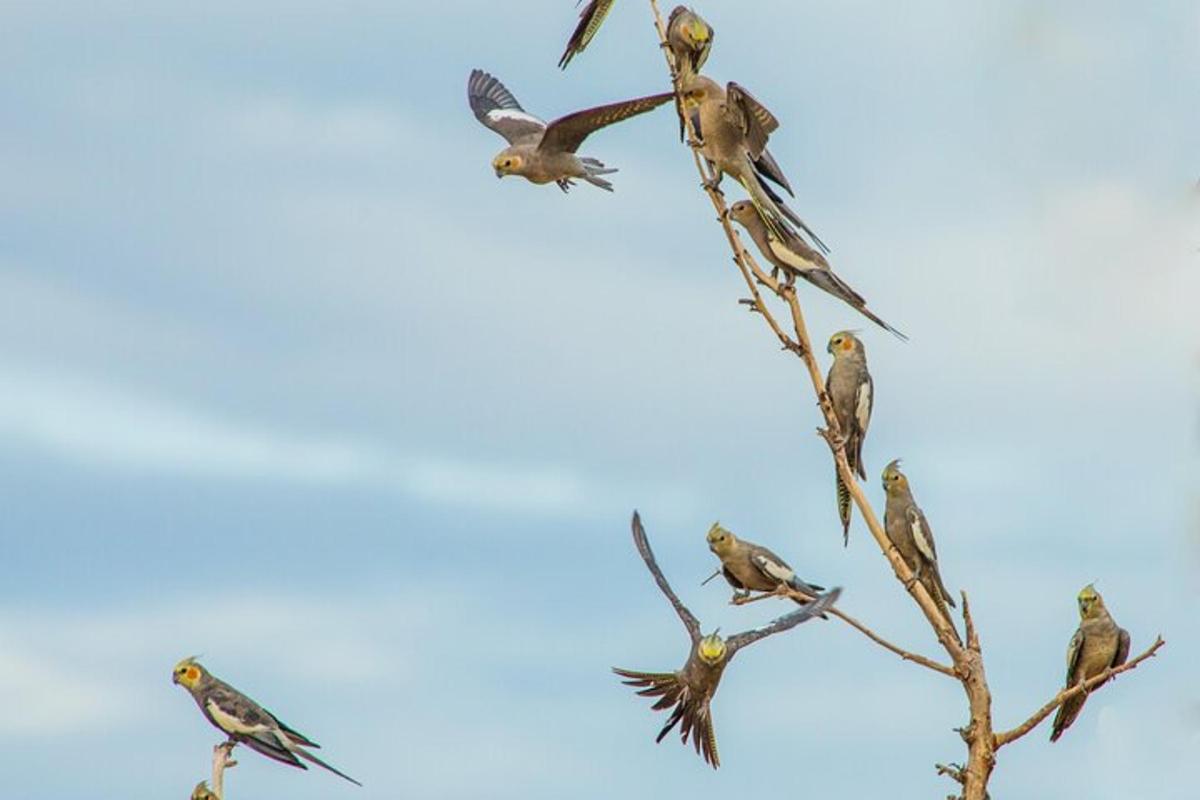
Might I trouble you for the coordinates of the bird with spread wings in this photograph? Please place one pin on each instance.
(543, 152)
(689, 690)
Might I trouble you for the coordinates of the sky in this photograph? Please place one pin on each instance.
(289, 380)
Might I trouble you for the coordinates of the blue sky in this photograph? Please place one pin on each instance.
(289, 379)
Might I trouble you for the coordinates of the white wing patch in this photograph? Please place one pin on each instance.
(789, 256)
(921, 536)
(500, 116)
(862, 412)
(773, 569)
(231, 724)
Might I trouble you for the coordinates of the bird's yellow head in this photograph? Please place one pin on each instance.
(711, 649)
(1090, 602)
(843, 343)
(187, 673)
(696, 31)
(893, 479)
(507, 164)
(720, 540)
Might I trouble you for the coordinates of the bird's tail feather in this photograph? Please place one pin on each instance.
(307, 756)
(593, 169)
(829, 282)
(1066, 715)
(273, 750)
(843, 502)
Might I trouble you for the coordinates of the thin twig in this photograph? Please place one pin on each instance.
(907, 655)
(1025, 727)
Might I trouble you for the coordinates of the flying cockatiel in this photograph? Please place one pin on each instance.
(852, 394)
(751, 567)
(909, 531)
(734, 128)
(689, 690)
(793, 256)
(688, 36)
(245, 721)
(541, 152)
(1098, 644)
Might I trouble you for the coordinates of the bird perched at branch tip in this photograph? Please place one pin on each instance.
(245, 721)
(690, 39)
(734, 128)
(852, 395)
(688, 691)
(751, 567)
(909, 531)
(791, 255)
(541, 152)
(1098, 643)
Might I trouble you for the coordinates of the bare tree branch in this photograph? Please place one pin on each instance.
(916, 658)
(966, 657)
(1066, 694)
(801, 345)
(222, 760)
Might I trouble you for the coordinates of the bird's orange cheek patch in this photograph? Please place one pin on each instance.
(848, 344)
(193, 674)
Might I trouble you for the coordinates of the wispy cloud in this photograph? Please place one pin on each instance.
(93, 424)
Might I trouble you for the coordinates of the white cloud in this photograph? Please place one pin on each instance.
(97, 425)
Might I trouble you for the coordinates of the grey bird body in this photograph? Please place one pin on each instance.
(909, 531)
(245, 721)
(792, 256)
(747, 566)
(852, 394)
(545, 153)
(1098, 643)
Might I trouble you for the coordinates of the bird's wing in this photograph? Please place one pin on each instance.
(863, 402)
(1073, 651)
(643, 547)
(300, 751)
(922, 535)
(822, 604)
(590, 20)
(273, 750)
(565, 134)
(768, 167)
(236, 714)
(755, 121)
(732, 579)
(495, 106)
(771, 565)
(1122, 653)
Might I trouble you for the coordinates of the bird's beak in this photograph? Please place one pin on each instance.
(175, 678)
(499, 174)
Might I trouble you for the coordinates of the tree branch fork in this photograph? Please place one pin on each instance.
(966, 657)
